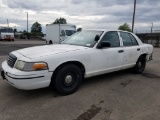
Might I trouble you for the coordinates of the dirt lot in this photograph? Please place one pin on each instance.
(116, 96)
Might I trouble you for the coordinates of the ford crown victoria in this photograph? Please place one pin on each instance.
(85, 54)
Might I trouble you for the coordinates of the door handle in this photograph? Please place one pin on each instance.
(120, 51)
(138, 49)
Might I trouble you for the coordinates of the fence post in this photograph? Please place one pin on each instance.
(157, 41)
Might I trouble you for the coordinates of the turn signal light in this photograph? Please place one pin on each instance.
(39, 66)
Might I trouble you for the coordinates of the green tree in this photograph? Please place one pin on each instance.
(60, 21)
(36, 28)
(125, 27)
(24, 31)
(79, 29)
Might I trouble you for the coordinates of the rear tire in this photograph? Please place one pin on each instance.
(140, 65)
(67, 79)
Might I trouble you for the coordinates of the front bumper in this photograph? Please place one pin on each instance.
(25, 80)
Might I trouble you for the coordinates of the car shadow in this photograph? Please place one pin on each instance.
(26, 95)
(108, 77)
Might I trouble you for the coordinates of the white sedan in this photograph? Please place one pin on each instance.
(85, 54)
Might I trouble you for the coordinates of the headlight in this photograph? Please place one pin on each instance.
(30, 66)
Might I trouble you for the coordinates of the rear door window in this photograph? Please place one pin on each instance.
(127, 41)
(134, 41)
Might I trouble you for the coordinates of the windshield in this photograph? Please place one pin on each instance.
(83, 38)
(6, 30)
(69, 32)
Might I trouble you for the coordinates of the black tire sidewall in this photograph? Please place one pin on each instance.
(137, 69)
(59, 79)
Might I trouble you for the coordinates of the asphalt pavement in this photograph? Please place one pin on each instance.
(115, 96)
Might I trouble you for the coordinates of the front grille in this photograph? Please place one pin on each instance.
(11, 60)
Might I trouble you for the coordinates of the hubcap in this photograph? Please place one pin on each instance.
(68, 79)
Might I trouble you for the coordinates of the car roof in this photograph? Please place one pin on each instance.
(105, 30)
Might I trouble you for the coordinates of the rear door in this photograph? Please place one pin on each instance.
(131, 49)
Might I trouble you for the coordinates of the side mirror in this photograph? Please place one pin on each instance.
(104, 44)
(97, 37)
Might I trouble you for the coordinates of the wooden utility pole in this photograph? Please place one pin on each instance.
(8, 23)
(133, 15)
(152, 28)
(27, 22)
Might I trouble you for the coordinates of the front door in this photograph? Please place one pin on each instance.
(111, 58)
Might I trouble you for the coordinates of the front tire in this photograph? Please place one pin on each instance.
(140, 65)
(68, 79)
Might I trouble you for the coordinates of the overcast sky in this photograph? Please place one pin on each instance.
(88, 14)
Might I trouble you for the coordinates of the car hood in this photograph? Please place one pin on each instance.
(45, 50)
